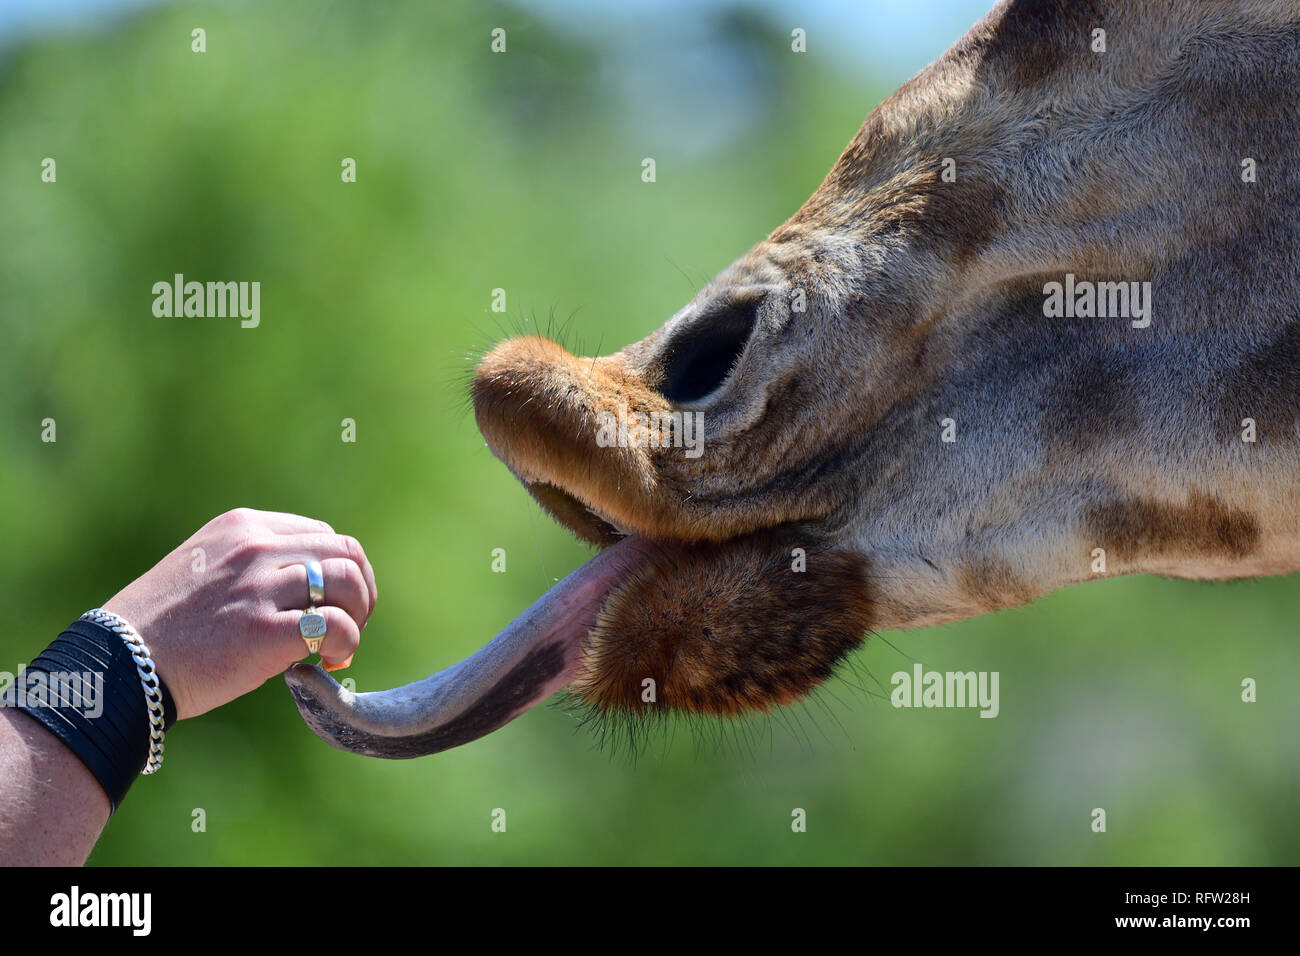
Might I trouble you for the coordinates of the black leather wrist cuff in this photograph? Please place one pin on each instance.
(85, 689)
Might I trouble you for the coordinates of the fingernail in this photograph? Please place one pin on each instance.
(337, 667)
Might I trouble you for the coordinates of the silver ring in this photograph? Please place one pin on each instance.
(315, 584)
(311, 627)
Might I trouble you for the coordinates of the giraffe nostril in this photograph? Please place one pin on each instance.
(699, 358)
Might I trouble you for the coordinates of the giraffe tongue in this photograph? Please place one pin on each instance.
(531, 659)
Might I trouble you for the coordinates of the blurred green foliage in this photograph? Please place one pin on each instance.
(519, 171)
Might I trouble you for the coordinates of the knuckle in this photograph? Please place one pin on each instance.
(351, 638)
(236, 518)
(352, 547)
(353, 579)
(343, 632)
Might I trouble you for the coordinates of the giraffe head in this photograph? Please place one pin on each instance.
(878, 418)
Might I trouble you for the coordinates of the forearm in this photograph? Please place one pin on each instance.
(52, 809)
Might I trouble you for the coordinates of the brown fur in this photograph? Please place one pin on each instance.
(721, 629)
(993, 584)
(1138, 528)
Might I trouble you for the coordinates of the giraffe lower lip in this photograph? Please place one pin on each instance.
(535, 656)
(565, 508)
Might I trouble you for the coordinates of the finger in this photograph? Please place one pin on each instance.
(305, 547)
(283, 522)
(345, 587)
(342, 636)
(277, 522)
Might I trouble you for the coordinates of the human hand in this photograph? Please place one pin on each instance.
(220, 613)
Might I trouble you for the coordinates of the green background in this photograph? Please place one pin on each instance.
(518, 171)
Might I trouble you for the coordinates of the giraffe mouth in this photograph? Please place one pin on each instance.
(679, 610)
(548, 646)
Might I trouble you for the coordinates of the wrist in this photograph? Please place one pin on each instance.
(95, 689)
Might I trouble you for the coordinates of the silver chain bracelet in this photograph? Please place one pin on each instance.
(148, 677)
